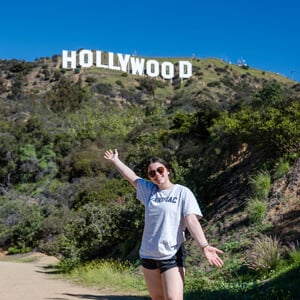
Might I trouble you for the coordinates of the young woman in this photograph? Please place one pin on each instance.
(169, 209)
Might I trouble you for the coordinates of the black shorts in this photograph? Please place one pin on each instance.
(178, 260)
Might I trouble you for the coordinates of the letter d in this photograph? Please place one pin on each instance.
(185, 69)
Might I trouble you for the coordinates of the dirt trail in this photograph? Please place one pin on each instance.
(34, 281)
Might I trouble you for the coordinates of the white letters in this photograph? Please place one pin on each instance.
(152, 68)
(99, 60)
(137, 65)
(125, 63)
(86, 58)
(69, 59)
(111, 62)
(185, 69)
(167, 70)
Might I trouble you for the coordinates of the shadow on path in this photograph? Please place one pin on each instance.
(107, 297)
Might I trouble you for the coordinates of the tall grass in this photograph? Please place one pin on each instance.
(260, 188)
(256, 210)
(230, 282)
(110, 275)
(261, 184)
(281, 168)
(265, 254)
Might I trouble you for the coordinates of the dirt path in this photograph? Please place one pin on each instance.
(33, 281)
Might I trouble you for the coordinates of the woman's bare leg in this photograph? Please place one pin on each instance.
(173, 283)
(154, 283)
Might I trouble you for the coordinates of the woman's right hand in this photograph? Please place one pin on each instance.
(125, 171)
(111, 155)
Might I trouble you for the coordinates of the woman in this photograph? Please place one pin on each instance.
(169, 209)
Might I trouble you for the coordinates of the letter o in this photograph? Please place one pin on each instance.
(86, 58)
(152, 68)
(167, 70)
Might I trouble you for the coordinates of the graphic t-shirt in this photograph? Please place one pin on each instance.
(165, 211)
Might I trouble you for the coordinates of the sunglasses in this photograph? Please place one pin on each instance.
(159, 170)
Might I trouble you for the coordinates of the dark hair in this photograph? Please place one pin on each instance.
(157, 160)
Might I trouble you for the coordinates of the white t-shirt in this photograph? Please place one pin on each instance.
(165, 211)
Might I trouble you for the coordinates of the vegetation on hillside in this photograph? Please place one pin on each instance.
(228, 133)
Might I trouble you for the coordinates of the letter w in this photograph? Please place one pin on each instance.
(137, 65)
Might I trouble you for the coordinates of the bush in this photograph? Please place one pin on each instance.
(148, 84)
(103, 88)
(256, 210)
(90, 79)
(261, 184)
(271, 123)
(214, 84)
(265, 254)
(281, 168)
(15, 250)
(116, 275)
(20, 224)
(66, 96)
(295, 257)
(120, 83)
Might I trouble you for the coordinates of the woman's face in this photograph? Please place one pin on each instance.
(158, 173)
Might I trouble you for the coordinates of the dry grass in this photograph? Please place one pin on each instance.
(265, 254)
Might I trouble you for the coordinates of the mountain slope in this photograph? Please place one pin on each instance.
(70, 116)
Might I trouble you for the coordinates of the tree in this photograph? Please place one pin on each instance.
(8, 153)
(66, 96)
(20, 223)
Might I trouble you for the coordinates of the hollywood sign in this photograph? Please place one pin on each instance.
(125, 63)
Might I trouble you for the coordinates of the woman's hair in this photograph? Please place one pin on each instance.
(157, 160)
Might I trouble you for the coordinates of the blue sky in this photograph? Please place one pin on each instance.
(263, 32)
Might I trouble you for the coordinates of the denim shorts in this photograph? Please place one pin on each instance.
(178, 260)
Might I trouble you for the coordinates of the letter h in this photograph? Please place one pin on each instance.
(69, 59)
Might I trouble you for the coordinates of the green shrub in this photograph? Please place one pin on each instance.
(214, 84)
(103, 88)
(66, 96)
(120, 83)
(294, 254)
(20, 224)
(90, 79)
(15, 250)
(117, 275)
(147, 84)
(260, 184)
(256, 210)
(281, 168)
(270, 123)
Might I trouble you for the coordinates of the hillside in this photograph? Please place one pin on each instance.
(212, 80)
(219, 129)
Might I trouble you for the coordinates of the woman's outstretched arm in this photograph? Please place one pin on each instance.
(210, 253)
(125, 171)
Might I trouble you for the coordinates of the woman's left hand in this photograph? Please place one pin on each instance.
(211, 254)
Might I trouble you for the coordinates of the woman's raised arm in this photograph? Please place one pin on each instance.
(125, 171)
